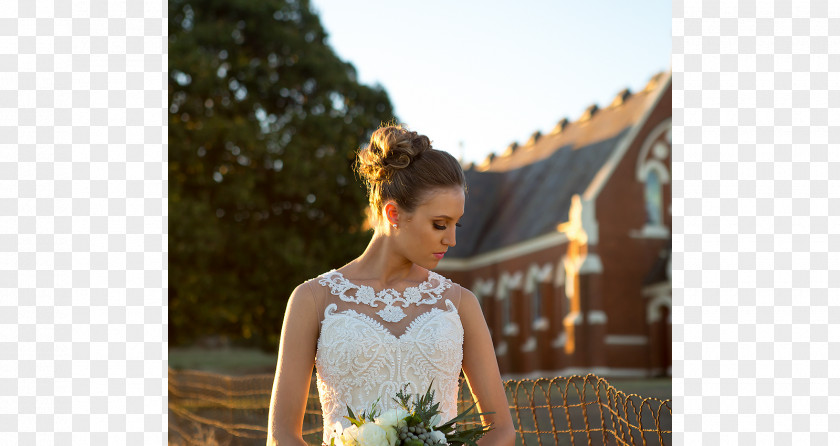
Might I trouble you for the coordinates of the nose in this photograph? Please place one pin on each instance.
(449, 239)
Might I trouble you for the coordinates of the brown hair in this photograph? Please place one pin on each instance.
(401, 165)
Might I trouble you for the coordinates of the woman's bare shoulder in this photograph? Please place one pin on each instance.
(459, 294)
(311, 287)
(314, 292)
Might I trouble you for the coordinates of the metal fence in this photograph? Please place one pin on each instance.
(210, 409)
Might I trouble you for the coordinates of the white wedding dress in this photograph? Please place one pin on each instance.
(372, 343)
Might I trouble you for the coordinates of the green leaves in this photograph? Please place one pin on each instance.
(423, 410)
(464, 436)
(264, 119)
(366, 416)
(352, 417)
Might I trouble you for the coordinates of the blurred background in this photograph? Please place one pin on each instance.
(269, 100)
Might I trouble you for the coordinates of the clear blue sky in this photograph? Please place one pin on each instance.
(484, 74)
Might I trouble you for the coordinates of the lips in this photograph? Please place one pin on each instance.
(439, 255)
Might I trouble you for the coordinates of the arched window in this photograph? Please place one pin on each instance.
(652, 171)
(508, 282)
(538, 276)
(505, 309)
(653, 198)
(509, 326)
(539, 321)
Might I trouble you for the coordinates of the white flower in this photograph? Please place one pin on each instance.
(437, 437)
(336, 430)
(370, 434)
(391, 435)
(349, 436)
(435, 420)
(392, 418)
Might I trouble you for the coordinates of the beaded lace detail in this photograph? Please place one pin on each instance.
(433, 287)
(359, 360)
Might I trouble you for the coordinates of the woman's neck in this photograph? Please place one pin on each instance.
(383, 263)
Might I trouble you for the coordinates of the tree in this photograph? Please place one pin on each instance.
(264, 122)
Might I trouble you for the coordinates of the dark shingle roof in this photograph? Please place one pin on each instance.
(507, 207)
(527, 191)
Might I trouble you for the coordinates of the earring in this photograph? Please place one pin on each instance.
(395, 226)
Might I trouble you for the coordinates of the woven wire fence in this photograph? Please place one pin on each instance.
(210, 409)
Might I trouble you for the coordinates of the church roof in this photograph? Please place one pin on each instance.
(526, 191)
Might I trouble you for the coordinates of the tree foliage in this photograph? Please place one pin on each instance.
(264, 121)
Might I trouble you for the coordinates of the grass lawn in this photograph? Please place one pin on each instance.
(240, 361)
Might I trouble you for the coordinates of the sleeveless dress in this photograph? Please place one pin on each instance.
(373, 343)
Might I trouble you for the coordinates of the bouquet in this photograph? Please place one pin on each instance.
(416, 424)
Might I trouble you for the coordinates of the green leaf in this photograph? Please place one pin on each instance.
(467, 436)
(352, 417)
(463, 416)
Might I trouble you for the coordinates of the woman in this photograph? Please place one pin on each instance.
(385, 319)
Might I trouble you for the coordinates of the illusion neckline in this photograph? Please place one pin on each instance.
(425, 285)
(332, 312)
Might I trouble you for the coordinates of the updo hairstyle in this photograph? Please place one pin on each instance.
(401, 165)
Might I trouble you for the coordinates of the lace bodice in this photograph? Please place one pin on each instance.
(371, 344)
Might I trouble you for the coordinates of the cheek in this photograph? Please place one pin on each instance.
(434, 237)
(424, 237)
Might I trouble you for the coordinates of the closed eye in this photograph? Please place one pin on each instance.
(442, 227)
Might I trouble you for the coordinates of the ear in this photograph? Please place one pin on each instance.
(392, 215)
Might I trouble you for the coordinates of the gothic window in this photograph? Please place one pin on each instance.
(508, 282)
(506, 309)
(509, 326)
(652, 171)
(653, 198)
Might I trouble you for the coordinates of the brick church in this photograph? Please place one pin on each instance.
(567, 242)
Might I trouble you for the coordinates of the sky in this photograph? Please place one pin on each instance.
(475, 76)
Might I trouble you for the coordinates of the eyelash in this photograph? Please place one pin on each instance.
(441, 228)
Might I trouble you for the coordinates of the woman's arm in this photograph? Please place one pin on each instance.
(290, 391)
(482, 372)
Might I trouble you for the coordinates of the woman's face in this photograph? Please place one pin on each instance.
(425, 234)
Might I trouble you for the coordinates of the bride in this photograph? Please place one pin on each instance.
(385, 319)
